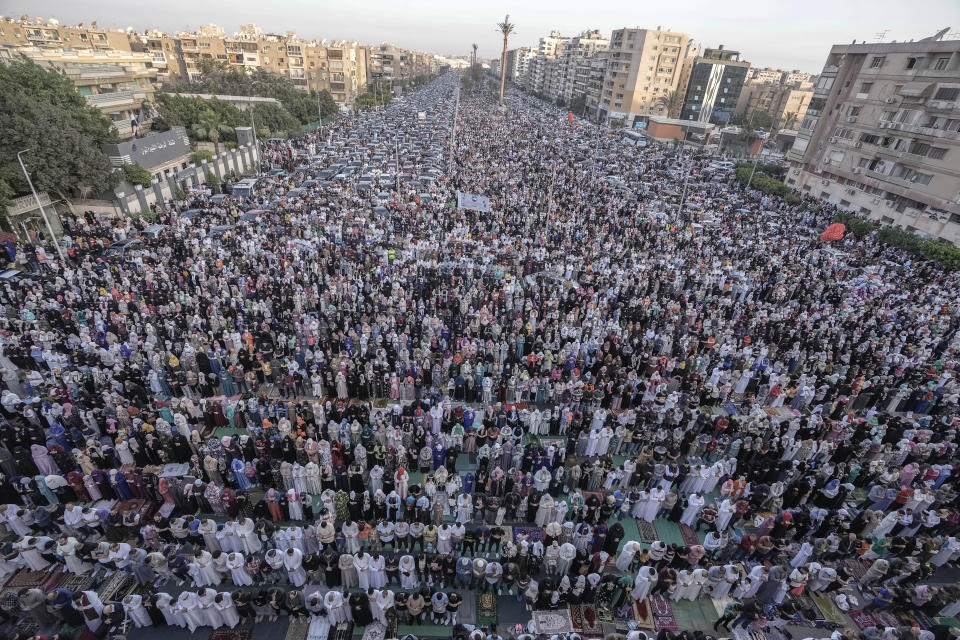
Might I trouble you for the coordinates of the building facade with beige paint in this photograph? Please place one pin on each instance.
(881, 135)
(643, 68)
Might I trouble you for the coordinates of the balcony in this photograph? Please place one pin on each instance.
(930, 131)
(941, 105)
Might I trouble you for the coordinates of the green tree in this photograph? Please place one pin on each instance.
(198, 156)
(276, 120)
(213, 120)
(211, 181)
(210, 126)
(219, 78)
(328, 106)
(579, 103)
(135, 174)
(41, 110)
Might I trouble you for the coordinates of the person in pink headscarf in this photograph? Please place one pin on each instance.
(908, 473)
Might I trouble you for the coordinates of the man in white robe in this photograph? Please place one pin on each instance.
(689, 517)
(293, 562)
(239, 575)
(245, 533)
(630, 549)
(189, 606)
(645, 580)
(208, 609)
(133, 606)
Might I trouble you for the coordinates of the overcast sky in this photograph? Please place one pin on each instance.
(769, 33)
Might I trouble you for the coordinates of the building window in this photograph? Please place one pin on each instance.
(877, 62)
(937, 153)
(865, 87)
(941, 64)
(947, 93)
(911, 63)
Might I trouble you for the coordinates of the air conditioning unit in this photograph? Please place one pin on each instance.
(833, 139)
(889, 203)
(825, 182)
(857, 170)
(858, 144)
(890, 100)
(851, 118)
(882, 124)
(826, 161)
(851, 192)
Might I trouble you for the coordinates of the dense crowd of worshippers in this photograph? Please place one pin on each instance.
(572, 344)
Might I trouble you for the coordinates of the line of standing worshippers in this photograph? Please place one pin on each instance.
(647, 336)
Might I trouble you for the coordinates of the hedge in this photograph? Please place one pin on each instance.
(944, 254)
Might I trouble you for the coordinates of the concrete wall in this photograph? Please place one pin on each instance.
(133, 199)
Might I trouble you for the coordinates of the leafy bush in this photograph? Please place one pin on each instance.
(943, 254)
(200, 155)
(135, 174)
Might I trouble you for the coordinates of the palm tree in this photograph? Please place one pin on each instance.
(475, 47)
(506, 28)
(669, 101)
(209, 126)
(789, 120)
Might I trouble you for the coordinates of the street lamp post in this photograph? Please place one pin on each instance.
(43, 213)
(756, 159)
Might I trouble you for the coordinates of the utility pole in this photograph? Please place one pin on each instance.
(686, 178)
(43, 213)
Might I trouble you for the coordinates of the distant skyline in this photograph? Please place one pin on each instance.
(767, 33)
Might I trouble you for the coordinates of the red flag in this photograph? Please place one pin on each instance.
(570, 117)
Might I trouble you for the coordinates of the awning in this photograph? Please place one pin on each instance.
(916, 89)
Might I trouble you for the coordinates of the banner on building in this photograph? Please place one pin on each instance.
(473, 202)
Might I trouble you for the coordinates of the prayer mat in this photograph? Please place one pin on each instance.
(487, 609)
(44, 580)
(807, 609)
(886, 618)
(27, 579)
(585, 619)
(922, 620)
(76, 582)
(297, 629)
(648, 532)
(115, 587)
(552, 623)
(863, 619)
(857, 568)
(237, 633)
(643, 614)
(663, 613)
(690, 537)
(534, 533)
(829, 609)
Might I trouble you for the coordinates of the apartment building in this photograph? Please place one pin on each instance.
(786, 104)
(396, 66)
(767, 75)
(575, 62)
(517, 63)
(716, 80)
(881, 135)
(548, 48)
(115, 82)
(643, 68)
(343, 68)
(51, 34)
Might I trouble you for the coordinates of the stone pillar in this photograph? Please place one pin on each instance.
(158, 192)
(141, 198)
